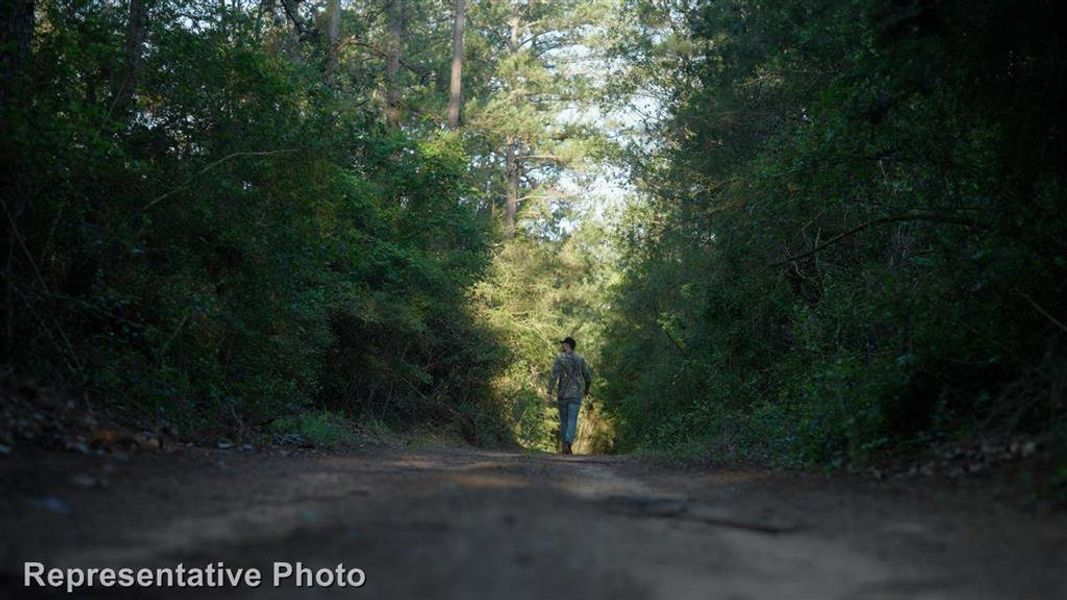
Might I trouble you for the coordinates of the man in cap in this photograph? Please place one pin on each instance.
(568, 382)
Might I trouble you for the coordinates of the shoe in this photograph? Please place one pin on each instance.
(567, 448)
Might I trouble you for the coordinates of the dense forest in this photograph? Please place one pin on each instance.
(220, 215)
(854, 239)
(810, 233)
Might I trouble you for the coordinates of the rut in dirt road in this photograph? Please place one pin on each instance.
(474, 524)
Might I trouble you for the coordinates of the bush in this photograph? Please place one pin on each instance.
(321, 428)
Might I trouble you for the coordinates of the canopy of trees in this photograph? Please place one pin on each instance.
(855, 238)
(846, 235)
(218, 214)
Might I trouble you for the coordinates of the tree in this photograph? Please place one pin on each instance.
(15, 40)
(248, 246)
(535, 59)
(333, 38)
(843, 211)
(455, 86)
(395, 12)
(125, 83)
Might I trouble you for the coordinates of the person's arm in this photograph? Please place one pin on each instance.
(587, 376)
(553, 378)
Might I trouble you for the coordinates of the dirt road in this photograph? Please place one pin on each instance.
(478, 524)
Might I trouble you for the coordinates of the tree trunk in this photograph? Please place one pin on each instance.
(333, 31)
(265, 6)
(512, 154)
(392, 64)
(455, 88)
(293, 13)
(511, 207)
(15, 38)
(136, 30)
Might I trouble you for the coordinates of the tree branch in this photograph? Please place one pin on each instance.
(1044, 312)
(865, 225)
(674, 341)
(417, 69)
(291, 11)
(548, 194)
(73, 356)
(210, 166)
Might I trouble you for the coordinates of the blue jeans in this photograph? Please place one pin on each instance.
(568, 417)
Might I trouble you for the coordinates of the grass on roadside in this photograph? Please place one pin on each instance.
(321, 428)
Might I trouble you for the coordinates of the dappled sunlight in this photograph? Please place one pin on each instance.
(651, 299)
(485, 481)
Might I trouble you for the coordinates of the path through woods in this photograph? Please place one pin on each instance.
(469, 523)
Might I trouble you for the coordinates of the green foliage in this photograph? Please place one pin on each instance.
(538, 292)
(321, 428)
(247, 240)
(854, 239)
(852, 236)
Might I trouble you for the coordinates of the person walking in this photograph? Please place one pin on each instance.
(568, 382)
